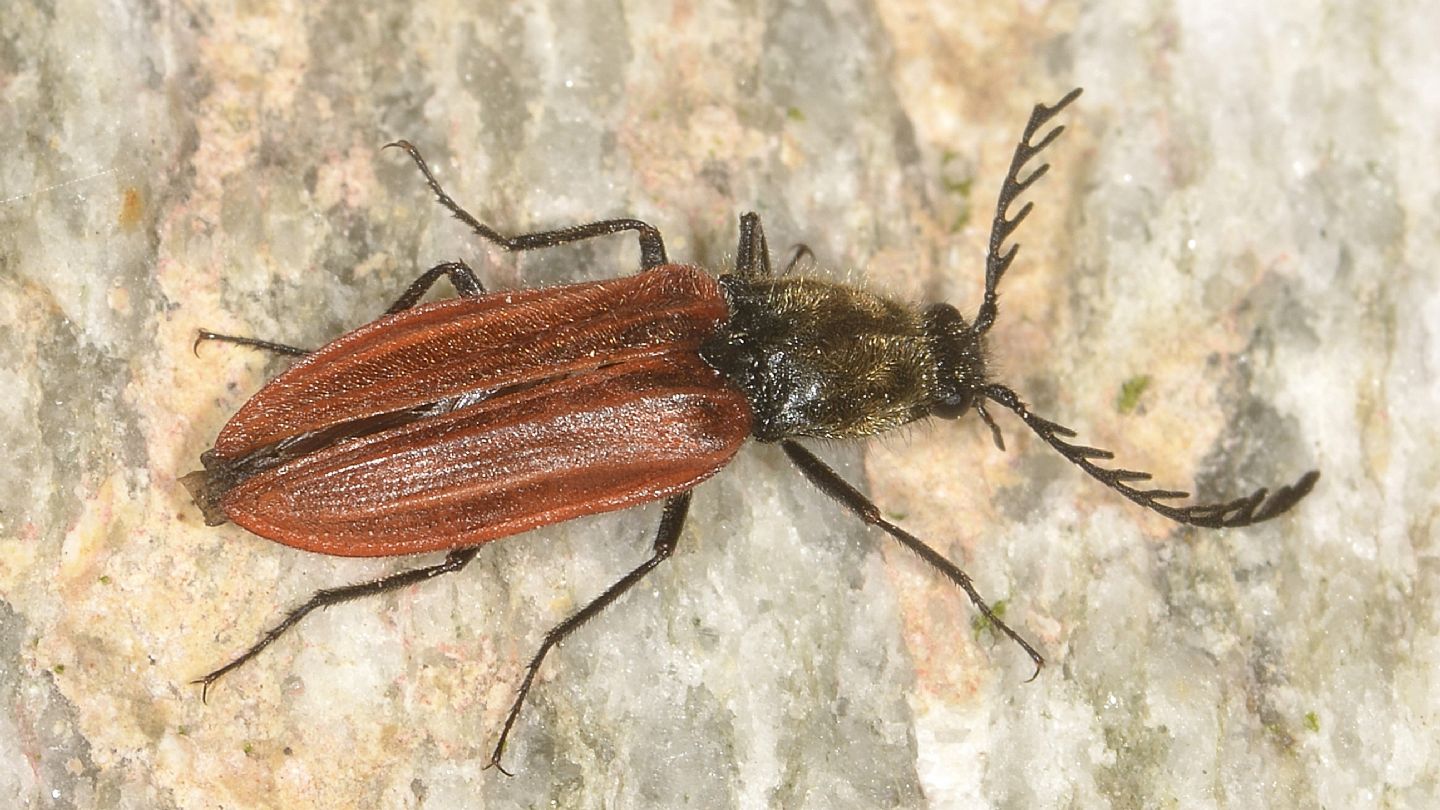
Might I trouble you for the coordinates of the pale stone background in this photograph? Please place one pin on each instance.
(1244, 210)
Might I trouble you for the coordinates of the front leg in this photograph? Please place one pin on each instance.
(752, 256)
(821, 475)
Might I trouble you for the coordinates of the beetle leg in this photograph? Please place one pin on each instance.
(460, 275)
(652, 247)
(254, 343)
(456, 560)
(798, 254)
(851, 498)
(752, 256)
(671, 523)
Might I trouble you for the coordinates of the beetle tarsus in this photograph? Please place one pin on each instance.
(203, 335)
(454, 561)
(495, 763)
(672, 521)
(652, 247)
(459, 273)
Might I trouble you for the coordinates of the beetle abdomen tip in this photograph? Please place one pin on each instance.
(207, 489)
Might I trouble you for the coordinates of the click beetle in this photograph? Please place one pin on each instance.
(445, 425)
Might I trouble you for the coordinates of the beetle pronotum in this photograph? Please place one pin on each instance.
(443, 426)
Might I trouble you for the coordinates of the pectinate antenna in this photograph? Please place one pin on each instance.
(997, 263)
(1243, 511)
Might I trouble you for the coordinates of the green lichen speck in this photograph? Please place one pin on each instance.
(1130, 392)
(980, 623)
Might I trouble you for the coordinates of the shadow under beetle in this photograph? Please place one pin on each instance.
(445, 425)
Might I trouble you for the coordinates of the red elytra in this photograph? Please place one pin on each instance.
(458, 346)
(597, 400)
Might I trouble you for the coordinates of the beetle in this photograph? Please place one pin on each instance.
(442, 426)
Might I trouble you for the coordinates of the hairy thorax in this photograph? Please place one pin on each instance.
(822, 359)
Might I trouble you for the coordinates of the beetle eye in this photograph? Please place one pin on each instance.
(951, 407)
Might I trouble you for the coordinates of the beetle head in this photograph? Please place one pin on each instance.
(959, 362)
